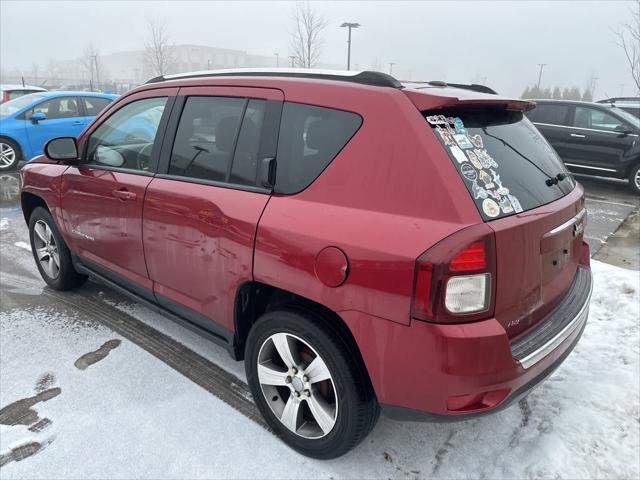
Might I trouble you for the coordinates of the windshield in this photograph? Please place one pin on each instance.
(12, 106)
(506, 165)
(627, 117)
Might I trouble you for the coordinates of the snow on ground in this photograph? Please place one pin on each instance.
(131, 416)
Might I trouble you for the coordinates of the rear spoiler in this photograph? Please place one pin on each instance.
(449, 98)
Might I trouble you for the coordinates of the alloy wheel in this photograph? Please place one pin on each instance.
(636, 179)
(7, 155)
(297, 385)
(46, 249)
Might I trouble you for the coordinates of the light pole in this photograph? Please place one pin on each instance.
(391, 64)
(349, 25)
(208, 64)
(594, 80)
(293, 59)
(277, 60)
(541, 65)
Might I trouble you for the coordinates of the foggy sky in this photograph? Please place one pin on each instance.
(451, 41)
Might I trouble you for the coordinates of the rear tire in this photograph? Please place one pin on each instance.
(634, 179)
(51, 253)
(9, 154)
(334, 408)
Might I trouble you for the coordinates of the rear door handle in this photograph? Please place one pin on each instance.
(123, 194)
(78, 122)
(577, 135)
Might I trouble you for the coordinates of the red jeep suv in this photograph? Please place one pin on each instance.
(363, 245)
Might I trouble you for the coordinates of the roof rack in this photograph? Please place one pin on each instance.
(366, 77)
(619, 99)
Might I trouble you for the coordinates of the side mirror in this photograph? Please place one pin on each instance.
(37, 117)
(623, 129)
(62, 148)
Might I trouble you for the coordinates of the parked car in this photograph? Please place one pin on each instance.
(628, 104)
(30, 121)
(361, 244)
(592, 138)
(10, 92)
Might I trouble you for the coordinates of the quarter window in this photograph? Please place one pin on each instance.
(310, 138)
(126, 138)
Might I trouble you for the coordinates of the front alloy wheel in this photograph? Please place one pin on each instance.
(8, 156)
(46, 249)
(297, 385)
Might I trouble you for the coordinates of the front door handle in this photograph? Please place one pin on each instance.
(123, 194)
(577, 135)
(78, 122)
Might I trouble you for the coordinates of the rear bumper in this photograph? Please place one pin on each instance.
(455, 372)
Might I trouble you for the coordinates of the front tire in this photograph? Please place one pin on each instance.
(51, 253)
(634, 179)
(9, 154)
(307, 384)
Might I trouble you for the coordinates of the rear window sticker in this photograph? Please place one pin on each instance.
(469, 172)
(490, 208)
(486, 179)
(515, 203)
(459, 126)
(446, 137)
(485, 158)
(502, 190)
(505, 205)
(476, 140)
(458, 154)
(473, 158)
(462, 141)
(478, 191)
(494, 194)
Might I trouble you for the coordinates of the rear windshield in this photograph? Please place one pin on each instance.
(506, 165)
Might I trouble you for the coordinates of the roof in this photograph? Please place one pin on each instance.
(18, 86)
(71, 93)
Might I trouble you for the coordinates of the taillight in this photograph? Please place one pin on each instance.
(455, 279)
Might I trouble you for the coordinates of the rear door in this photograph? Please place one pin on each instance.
(593, 144)
(63, 119)
(92, 106)
(202, 209)
(511, 173)
(102, 197)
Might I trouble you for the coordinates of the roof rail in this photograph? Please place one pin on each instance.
(365, 77)
(619, 99)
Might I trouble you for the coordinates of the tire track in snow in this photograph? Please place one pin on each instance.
(217, 381)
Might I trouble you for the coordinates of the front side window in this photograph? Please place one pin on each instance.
(596, 119)
(310, 138)
(209, 133)
(126, 138)
(552, 114)
(12, 106)
(63, 107)
(95, 105)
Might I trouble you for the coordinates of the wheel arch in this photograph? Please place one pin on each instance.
(30, 202)
(253, 299)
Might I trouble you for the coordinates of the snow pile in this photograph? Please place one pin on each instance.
(131, 416)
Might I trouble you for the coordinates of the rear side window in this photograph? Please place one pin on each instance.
(11, 94)
(310, 138)
(94, 105)
(503, 160)
(62, 107)
(550, 113)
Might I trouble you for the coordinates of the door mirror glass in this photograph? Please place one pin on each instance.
(38, 116)
(62, 148)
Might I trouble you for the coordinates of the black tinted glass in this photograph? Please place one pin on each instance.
(245, 159)
(551, 114)
(310, 138)
(503, 160)
(206, 137)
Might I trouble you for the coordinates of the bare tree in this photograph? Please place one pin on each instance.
(306, 41)
(628, 38)
(159, 51)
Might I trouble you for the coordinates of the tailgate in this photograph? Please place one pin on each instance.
(537, 256)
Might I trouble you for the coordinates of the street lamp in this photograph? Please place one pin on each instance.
(391, 64)
(277, 59)
(349, 25)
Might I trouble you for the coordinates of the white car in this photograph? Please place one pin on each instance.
(9, 91)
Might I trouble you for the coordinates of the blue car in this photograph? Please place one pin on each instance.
(27, 123)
